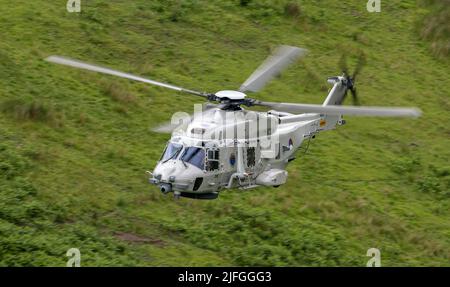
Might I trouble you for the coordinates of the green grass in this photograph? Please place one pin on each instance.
(74, 145)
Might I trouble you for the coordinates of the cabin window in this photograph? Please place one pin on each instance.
(171, 152)
(212, 162)
(250, 156)
(194, 156)
(198, 131)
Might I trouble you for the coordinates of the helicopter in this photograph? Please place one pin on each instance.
(224, 145)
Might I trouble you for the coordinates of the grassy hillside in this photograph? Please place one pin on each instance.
(74, 145)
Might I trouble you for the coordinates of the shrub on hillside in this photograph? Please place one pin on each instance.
(292, 9)
(436, 27)
(31, 110)
(119, 94)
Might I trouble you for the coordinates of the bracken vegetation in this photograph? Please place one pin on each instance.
(436, 27)
(75, 145)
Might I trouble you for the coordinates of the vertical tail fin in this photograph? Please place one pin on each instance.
(335, 97)
(337, 93)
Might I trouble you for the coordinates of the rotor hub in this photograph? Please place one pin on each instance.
(230, 95)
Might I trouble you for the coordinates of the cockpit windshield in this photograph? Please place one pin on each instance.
(172, 151)
(194, 156)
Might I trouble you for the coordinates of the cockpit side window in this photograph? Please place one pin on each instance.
(171, 152)
(194, 156)
(212, 162)
(250, 156)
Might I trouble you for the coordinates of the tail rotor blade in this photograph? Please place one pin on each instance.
(355, 97)
(344, 97)
(343, 64)
(360, 64)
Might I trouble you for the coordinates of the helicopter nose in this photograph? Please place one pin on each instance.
(165, 187)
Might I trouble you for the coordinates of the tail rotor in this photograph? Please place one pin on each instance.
(350, 79)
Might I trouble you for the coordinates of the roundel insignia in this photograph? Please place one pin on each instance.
(291, 142)
(232, 159)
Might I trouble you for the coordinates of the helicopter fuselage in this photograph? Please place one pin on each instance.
(220, 149)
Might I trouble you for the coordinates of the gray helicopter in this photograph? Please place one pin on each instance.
(224, 145)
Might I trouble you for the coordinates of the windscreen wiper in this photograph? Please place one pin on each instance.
(174, 155)
(184, 163)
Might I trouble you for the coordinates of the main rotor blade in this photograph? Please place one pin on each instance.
(271, 67)
(94, 68)
(169, 127)
(343, 110)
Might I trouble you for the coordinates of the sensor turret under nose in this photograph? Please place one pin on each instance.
(165, 187)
